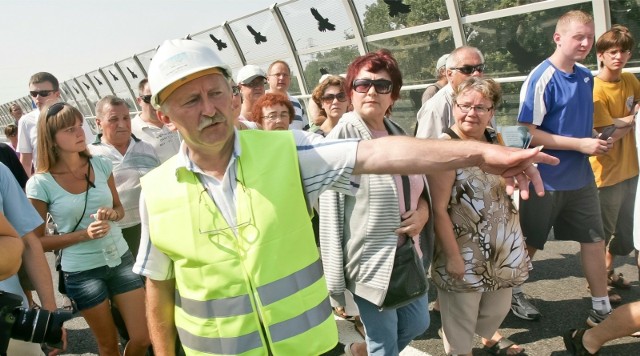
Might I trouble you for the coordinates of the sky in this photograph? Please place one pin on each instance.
(71, 37)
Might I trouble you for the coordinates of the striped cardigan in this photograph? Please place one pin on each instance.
(357, 238)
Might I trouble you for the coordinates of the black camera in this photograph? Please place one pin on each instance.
(35, 325)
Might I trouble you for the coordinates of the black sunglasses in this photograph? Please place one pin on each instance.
(235, 90)
(42, 93)
(468, 70)
(328, 98)
(382, 86)
(54, 109)
(146, 98)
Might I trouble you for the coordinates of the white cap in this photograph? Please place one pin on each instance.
(248, 73)
(442, 61)
(179, 61)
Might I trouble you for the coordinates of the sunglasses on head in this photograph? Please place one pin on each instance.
(42, 93)
(328, 98)
(146, 98)
(468, 70)
(382, 86)
(55, 109)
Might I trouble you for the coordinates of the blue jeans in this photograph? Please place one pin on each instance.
(91, 287)
(389, 331)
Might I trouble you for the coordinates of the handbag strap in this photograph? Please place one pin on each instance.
(406, 186)
(86, 195)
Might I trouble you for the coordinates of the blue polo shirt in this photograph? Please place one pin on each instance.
(561, 104)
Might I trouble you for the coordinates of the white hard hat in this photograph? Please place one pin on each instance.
(248, 73)
(179, 61)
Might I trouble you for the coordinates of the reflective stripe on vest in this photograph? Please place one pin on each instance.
(301, 323)
(240, 305)
(221, 346)
(284, 287)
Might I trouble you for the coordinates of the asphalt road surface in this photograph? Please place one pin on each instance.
(556, 284)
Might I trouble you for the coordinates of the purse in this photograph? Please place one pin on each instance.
(408, 280)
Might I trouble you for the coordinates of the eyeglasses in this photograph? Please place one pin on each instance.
(480, 110)
(55, 109)
(382, 86)
(204, 225)
(328, 98)
(615, 52)
(277, 75)
(42, 93)
(255, 84)
(468, 70)
(146, 98)
(235, 90)
(275, 116)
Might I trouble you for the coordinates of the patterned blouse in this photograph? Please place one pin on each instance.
(487, 230)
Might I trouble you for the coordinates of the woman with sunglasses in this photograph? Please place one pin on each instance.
(79, 193)
(480, 252)
(333, 101)
(359, 234)
(272, 112)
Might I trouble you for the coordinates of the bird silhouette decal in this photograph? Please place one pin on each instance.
(257, 36)
(323, 22)
(133, 74)
(86, 86)
(76, 89)
(218, 42)
(397, 7)
(113, 75)
(524, 59)
(97, 80)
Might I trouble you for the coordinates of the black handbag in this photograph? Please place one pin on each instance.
(408, 280)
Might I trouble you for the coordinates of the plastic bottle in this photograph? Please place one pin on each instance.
(109, 248)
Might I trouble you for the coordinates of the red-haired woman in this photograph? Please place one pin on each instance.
(272, 112)
(359, 234)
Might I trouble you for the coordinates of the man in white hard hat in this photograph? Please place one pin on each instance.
(227, 245)
(251, 80)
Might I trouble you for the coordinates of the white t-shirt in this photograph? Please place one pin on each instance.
(324, 164)
(164, 141)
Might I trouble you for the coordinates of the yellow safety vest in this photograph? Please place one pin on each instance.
(261, 291)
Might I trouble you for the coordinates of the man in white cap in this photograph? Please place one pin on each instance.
(251, 80)
(441, 79)
(227, 245)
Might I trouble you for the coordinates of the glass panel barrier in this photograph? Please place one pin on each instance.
(514, 45)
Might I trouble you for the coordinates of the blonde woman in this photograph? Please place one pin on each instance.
(79, 192)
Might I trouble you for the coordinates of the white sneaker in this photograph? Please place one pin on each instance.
(522, 307)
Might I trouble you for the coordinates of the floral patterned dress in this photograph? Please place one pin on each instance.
(487, 230)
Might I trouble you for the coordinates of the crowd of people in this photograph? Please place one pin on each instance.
(192, 229)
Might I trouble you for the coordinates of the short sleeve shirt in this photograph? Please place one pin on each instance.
(561, 104)
(20, 214)
(66, 209)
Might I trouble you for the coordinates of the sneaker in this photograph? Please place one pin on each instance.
(595, 317)
(522, 307)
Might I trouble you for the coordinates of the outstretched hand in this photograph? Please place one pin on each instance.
(516, 165)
